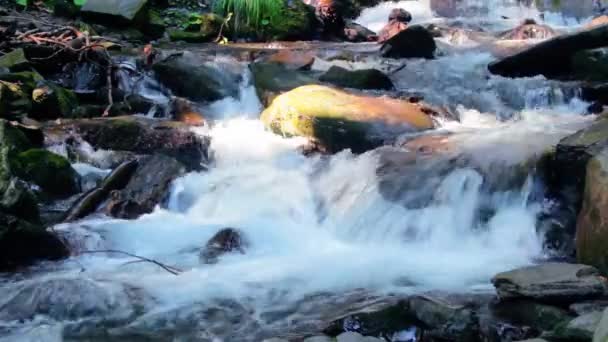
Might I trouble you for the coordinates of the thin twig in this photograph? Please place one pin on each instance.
(170, 269)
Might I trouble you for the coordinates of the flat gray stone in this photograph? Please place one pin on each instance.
(550, 282)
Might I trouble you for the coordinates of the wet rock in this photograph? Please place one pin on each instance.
(189, 77)
(14, 101)
(66, 299)
(227, 240)
(357, 33)
(551, 58)
(51, 101)
(339, 120)
(586, 307)
(23, 243)
(578, 329)
(90, 201)
(538, 317)
(297, 22)
(329, 14)
(415, 42)
(397, 22)
(292, 59)
(550, 282)
(273, 79)
(207, 29)
(358, 79)
(354, 337)
(591, 234)
(597, 21)
(529, 29)
(566, 170)
(136, 134)
(51, 172)
(601, 333)
(444, 320)
(14, 61)
(186, 111)
(122, 9)
(147, 188)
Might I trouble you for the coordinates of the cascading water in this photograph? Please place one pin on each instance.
(318, 229)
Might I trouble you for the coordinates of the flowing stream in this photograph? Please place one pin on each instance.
(323, 232)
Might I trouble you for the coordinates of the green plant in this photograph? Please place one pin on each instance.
(254, 13)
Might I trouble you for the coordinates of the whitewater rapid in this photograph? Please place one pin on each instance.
(381, 222)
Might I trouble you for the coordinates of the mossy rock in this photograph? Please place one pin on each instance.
(14, 102)
(14, 61)
(358, 79)
(297, 22)
(51, 172)
(338, 120)
(51, 101)
(189, 37)
(22, 243)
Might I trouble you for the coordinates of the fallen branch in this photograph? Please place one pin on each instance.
(170, 269)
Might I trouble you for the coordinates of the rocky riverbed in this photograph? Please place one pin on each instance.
(356, 171)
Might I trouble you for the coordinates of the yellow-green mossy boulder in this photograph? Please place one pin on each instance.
(339, 120)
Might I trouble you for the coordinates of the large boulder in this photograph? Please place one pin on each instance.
(528, 313)
(337, 120)
(135, 134)
(148, 187)
(551, 58)
(415, 42)
(227, 240)
(123, 9)
(188, 76)
(592, 230)
(357, 79)
(551, 282)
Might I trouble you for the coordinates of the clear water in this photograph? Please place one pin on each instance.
(323, 232)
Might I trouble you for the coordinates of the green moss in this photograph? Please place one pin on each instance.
(51, 172)
(189, 37)
(51, 101)
(14, 60)
(297, 21)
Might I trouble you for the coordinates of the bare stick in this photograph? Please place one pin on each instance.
(170, 269)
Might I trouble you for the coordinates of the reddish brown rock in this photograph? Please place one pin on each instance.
(397, 22)
(598, 21)
(529, 29)
(293, 59)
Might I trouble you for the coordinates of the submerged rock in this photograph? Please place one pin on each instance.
(339, 120)
(227, 240)
(358, 79)
(147, 188)
(66, 299)
(415, 42)
(551, 282)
